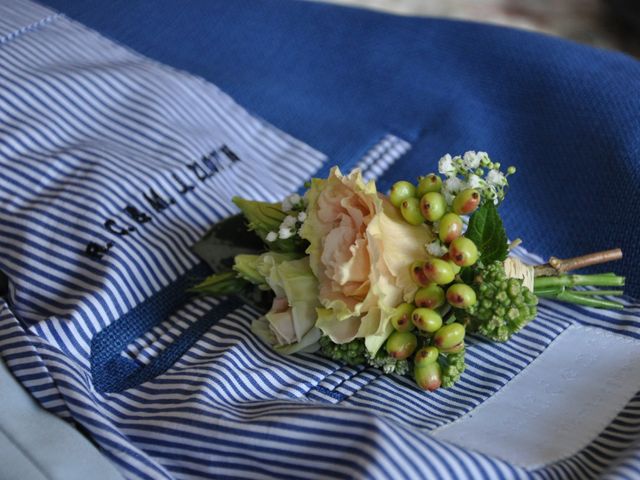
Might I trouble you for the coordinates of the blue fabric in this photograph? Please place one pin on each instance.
(113, 166)
(114, 372)
(567, 116)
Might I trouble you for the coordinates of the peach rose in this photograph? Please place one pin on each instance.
(360, 251)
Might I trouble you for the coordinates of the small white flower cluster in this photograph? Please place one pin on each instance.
(473, 170)
(293, 202)
(436, 248)
(290, 226)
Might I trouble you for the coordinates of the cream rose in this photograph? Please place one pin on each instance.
(360, 251)
(289, 326)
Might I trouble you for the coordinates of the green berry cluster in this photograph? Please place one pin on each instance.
(503, 304)
(352, 353)
(355, 353)
(454, 366)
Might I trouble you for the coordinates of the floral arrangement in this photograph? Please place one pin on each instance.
(396, 281)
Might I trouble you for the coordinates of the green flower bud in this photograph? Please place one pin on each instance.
(246, 267)
(263, 217)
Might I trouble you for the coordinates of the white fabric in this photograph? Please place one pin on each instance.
(567, 396)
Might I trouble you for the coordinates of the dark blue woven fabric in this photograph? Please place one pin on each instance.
(567, 116)
(113, 372)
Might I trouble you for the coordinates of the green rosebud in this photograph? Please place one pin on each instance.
(246, 267)
(263, 217)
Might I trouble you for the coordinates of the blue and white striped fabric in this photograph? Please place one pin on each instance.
(112, 167)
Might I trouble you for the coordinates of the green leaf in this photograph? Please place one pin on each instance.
(487, 232)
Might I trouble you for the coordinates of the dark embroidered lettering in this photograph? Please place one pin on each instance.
(113, 227)
(184, 188)
(136, 214)
(211, 161)
(229, 153)
(96, 251)
(199, 171)
(157, 202)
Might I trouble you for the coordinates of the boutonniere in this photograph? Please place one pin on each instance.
(396, 281)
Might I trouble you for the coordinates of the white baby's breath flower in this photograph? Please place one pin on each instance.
(474, 181)
(291, 201)
(445, 165)
(448, 197)
(496, 178)
(452, 185)
(271, 237)
(302, 216)
(285, 233)
(436, 249)
(483, 158)
(471, 160)
(289, 221)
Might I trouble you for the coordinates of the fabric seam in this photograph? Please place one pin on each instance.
(33, 27)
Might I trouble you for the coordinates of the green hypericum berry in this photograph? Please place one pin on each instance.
(401, 345)
(450, 228)
(401, 191)
(431, 296)
(463, 252)
(410, 209)
(416, 271)
(433, 206)
(460, 295)
(466, 201)
(438, 271)
(401, 317)
(428, 377)
(425, 356)
(455, 349)
(456, 268)
(429, 183)
(449, 336)
(426, 320)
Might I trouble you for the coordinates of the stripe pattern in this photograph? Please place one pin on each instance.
(84, 136)
(382, 155)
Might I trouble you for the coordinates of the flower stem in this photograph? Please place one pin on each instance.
(572, 297)
(558, 266)
(596, 280)
(603, 293)
(583, 261)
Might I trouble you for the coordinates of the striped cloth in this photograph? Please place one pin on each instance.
(112, 167)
